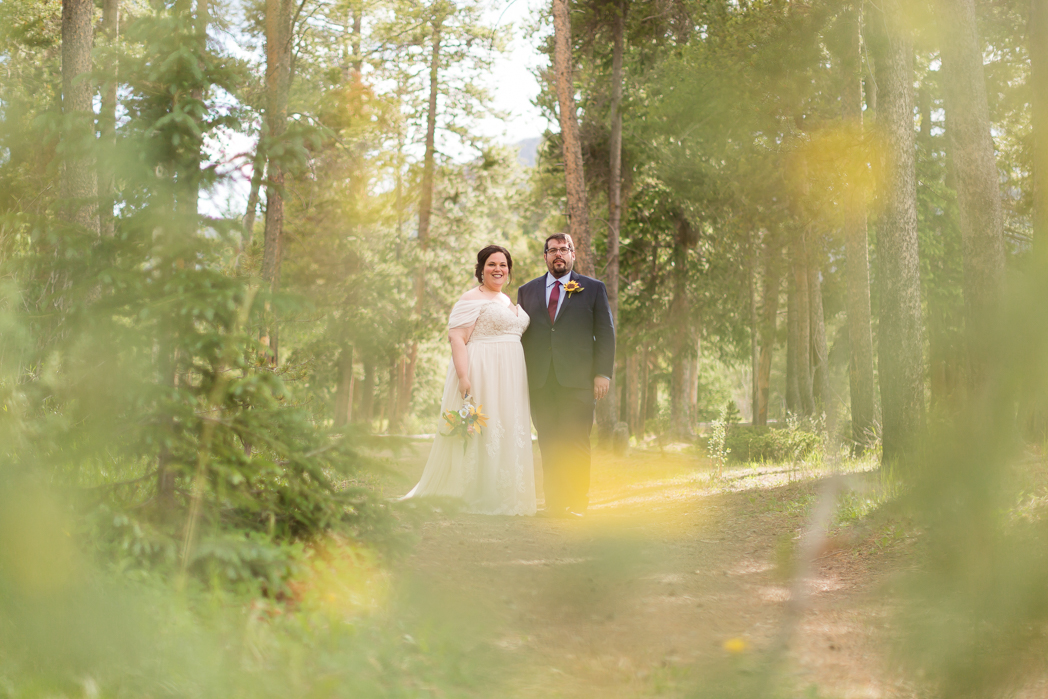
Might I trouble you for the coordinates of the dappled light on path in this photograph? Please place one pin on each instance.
(671, 566)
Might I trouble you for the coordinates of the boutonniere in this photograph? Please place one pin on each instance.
(572, 287)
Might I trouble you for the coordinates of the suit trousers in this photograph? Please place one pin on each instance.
(563, 419)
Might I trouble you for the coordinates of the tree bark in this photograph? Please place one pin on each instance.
(900, 330)
(870, 85)
(802, 330)
(693, 381)
(425, 206)
(632, 394)
(258, 168)
(679, 416)
(615, 178)
(683, 343)
(1038, 47)
(189, 175)
(107, 123)
(651, 388)
(425, 212)
(278, 84)
(769, 318)
(820, 354)
(165, 473)
(391, 395)
(578, 205)
(344, 390)
(754, 334)
(793, 393)
(975, 174)
(79, 184)
(607, 410)
(857, 256)
(367, 394)
(358, 23)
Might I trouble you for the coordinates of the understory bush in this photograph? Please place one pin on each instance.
(747, 444)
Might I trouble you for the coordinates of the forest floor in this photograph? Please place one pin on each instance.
(676, 581)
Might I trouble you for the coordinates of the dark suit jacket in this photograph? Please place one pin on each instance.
(581, 344)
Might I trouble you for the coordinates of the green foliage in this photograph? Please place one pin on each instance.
(758, 444)
(717, 447)
(134, 375)
(67, 629)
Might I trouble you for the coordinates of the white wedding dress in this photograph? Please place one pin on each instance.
(493, 472)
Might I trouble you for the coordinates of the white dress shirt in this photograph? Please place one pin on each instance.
(550, 281)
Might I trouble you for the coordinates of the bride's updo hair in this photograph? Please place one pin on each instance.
(482, 259)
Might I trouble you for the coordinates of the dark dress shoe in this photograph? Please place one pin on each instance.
(553, 513)
(574, 514)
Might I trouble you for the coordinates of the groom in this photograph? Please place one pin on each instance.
(569, 349)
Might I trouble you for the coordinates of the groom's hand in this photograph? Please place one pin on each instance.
(601, 384)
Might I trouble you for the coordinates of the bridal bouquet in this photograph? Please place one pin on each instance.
(466, 421)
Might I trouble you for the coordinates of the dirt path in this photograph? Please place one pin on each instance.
(673, 576)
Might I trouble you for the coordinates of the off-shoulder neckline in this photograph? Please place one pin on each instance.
(515, 306)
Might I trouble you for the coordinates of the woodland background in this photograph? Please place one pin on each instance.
(823, 218)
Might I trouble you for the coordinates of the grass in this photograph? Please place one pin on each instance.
(350, 626)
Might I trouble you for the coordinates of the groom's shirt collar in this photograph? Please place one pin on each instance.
(550, 279)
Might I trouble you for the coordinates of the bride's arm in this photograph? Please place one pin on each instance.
(460, 356)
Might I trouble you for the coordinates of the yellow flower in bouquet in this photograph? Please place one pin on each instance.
(466, 421)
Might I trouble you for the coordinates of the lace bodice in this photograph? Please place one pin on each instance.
(497, 318)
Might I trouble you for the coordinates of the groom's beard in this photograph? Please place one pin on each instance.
(559, 267)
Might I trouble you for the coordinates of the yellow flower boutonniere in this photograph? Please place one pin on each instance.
(572, 287)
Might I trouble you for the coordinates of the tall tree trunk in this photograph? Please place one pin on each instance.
(632, 392)
(357, 61)
(278, 84)
(870, 85)
(900, 330)
(607, 410)
(391, 393)
(683, 343)
(975, 172)
(188, 179)
(425, 206)
(578, 206)
(769, 320)
(802, 357)
(679, 417)
(754, 327)
(344, 390)
(165, 473)
(651, 387)
(693, 380)
(79, 185)
(107, 123)
(258, 168)
(924, 109)
(425, 212)
(1038, 48)
(615, 165)
(367, 394)
(819, 351)
(793, 392)
(857, 254)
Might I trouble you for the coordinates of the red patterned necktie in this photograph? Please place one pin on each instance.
(554, 297)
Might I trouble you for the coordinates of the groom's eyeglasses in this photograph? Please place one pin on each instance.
(559, 251)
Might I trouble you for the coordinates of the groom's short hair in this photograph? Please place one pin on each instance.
(557, 236)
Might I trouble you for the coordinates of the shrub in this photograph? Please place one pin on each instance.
(770, 444)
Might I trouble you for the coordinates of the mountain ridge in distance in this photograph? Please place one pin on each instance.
(528, 150)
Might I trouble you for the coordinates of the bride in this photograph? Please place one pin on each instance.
(491, 472)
